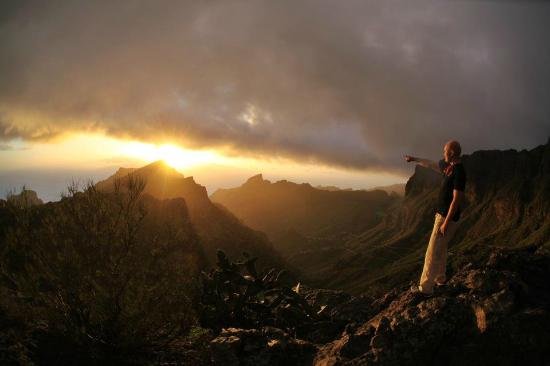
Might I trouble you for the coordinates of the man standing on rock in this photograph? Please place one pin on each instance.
(447, 214)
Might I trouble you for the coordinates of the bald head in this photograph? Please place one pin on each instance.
(452, 150)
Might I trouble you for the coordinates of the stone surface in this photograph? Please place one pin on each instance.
(494, 311)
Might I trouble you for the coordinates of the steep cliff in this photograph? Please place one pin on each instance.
(508, 205)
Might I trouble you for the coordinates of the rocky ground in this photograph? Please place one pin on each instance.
(495, 311)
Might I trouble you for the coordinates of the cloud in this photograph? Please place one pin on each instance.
(354, 84)
(7, 147)
(10, 131)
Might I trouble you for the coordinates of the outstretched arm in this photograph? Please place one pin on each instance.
(427, 163)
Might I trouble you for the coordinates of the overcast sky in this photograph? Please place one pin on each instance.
(353, 84)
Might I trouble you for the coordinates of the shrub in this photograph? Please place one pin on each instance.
(96, 276)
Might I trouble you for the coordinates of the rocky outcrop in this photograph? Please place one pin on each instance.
(257, 347)
(422, 180)
(256, 179)
(493, 311)
(485, 314)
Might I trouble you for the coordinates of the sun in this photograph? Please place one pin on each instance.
(172, 155)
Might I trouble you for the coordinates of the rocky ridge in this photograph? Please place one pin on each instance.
(493, 311)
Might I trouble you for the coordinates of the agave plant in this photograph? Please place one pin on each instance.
(235, 294)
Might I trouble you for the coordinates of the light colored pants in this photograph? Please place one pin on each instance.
(435, 261)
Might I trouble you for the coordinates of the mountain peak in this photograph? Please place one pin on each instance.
(258, 178)
(123, 171)
(160, 165)
(423, 178)
(154, 168)
(163, 182)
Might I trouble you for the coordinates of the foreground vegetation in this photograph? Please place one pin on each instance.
(95, 277)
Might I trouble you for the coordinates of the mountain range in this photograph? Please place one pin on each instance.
(360, 240)
(363, 241)
(306, 224)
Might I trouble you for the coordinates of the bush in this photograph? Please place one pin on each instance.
(96, 276)
(234, 294)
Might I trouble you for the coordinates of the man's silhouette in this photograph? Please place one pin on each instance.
(447, 214)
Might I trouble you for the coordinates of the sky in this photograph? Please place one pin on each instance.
(325, 92)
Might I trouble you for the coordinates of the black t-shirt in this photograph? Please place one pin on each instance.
(456, 180)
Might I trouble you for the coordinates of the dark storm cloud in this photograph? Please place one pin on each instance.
(354, 84)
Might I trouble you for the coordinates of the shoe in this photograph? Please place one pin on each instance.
(418, 289)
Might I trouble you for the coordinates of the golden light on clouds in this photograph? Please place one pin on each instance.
(79, 150)
(212, 168)
(90, 150)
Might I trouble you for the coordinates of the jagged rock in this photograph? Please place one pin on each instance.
(264, 346)
(339, 309)
(489, 309)
(483, 316)
(322, 332)
(225, 350)
(319, 297)
(357, 343)
(256, 179)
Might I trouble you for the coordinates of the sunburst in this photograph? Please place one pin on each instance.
(172, 155)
